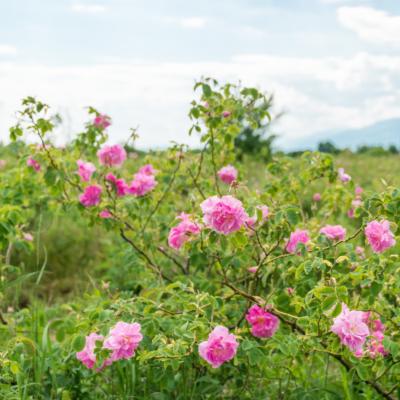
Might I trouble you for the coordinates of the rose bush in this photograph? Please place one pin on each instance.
(258, 292)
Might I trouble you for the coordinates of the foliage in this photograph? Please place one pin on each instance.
(179, 296)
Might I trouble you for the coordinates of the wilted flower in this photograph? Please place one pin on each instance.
(263, 324)
(379, 235)
(85, 170)
(223, 214)
(221, 346)
(334, 232)
(87, 355)
(91, 196)
(181, 233)
(228, 174)
(296, 237)
(114, 155)
(123, 339)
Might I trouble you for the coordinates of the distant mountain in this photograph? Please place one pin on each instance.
(382, 133)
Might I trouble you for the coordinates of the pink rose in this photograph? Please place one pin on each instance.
(264, 212)
(142, 184)
(317, 197)
(221, 346)
(296, 237)
(28, 237)
(120, 186)
(181, 233)
(87, 355)
(91, 196)
(334, 232)
(228, 174)
(33, 164)
(112, 155)
(379, 235)
(105, 214)
(263, 324)
(343, 176)
(85, 170)
(123, 340)
(252, 270)
(102, 121)
(358, 191)
(223, 214)
(147, 170)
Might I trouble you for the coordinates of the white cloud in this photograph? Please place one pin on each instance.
(7, 50)
(372, 25)
(88, 8)
(317, 93)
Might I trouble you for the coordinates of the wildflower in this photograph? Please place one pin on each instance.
(120, 185)
(87, 355)
(142, 184)
(343, 176)
(263, 324)
(223, 214)
(110, 156)
(181, 233)
(379, 235)
(85, 170)
(102, 121)
(228, 174)
(147, 170)
(334, 232)
(91, 196)
(296, 237)
(221, 346)
(33, 164)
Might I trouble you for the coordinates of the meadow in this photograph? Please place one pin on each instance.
(280, 281)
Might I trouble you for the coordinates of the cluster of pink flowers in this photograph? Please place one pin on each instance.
(102, 121)
(85, 170)
(228, 174)
(144, 181)
(359, 332)
(221, 346)
(112, 156)
(91, 196)
(119, 184)
(31, 162)
(224, 214)
(379, 235)
(181, 233)
(263, 324)
(343, 176)
(334, 232)
(296, 237)
(122, 341)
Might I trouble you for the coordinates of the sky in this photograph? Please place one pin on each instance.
(331, 64)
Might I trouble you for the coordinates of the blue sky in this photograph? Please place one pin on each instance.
(331, 64)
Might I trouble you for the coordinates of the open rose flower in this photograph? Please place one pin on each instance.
(87, 355)
(224, 214)
(296, 237)
(120, 186)
(379, 235)
(123, 340)
(181, 233)
(102, 121)
(91, 196)
(343, 176)
(147, 170)
(112, 156)
(220, 347)
(142, 184)
(334, 232)
(263, 324)
(85, 170)
(228, 174)
(352, 329)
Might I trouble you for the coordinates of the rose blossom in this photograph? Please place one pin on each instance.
(102, 121)
(228, 174)
(264, 212)
(226, 114)
(91, 196)
(147, 170)
(379, 235)
(181, 233)
(120, 185)
(343, 176)
(316, 197)
(358, 191)
(27, 236)
(334, 232)
(142, 184)
(85, 170)
(114, 155)
(223, 214)
(33, 164)
(252, 270)
(105, 214)
(296, 237)
(123, 339)
(263, 324)
(221, 346)
(87, 355)
(360, 251)
(351, 328)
